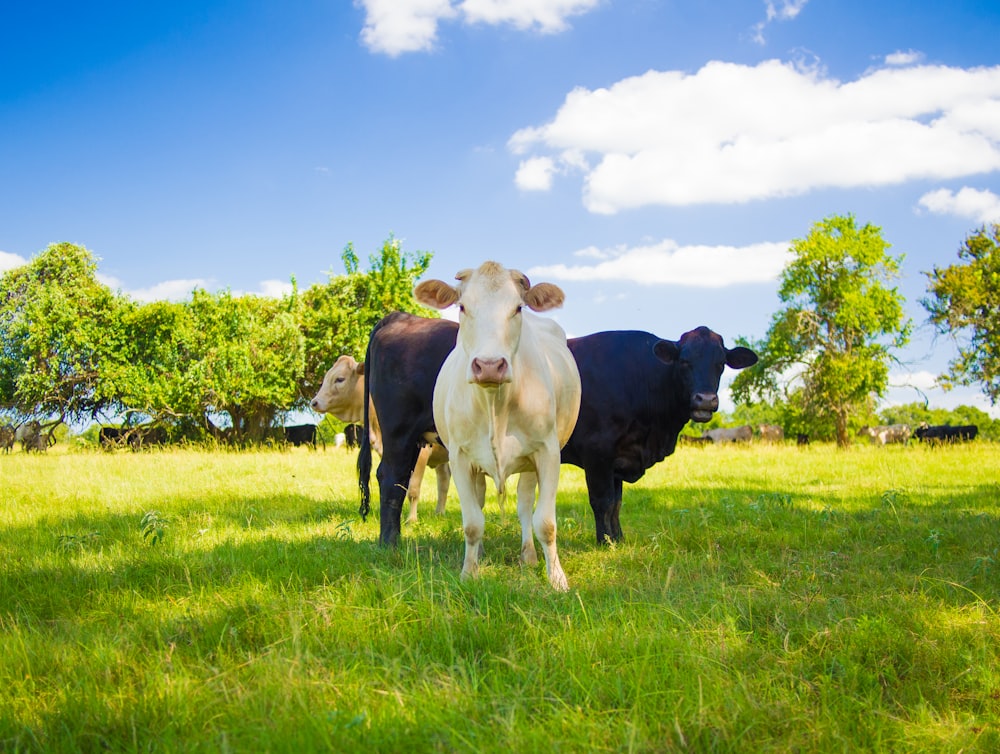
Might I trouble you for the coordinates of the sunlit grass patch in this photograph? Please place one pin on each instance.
(768, 599)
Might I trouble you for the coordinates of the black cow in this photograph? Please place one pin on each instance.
(150, 435)
(301, 434)
(6, 437)
(947, 433)
(352, 435)
(112, 437)
(134, 437)
(638, 393)
(404, 356)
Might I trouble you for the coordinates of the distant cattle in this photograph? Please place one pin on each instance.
(506, 400)
(111, 437)
(692, 440)
(31, 437)
(730, 434)
(638, 393)
(342, 394)
(404, 356)
(771, 433)
(883, 435)
(6, 437)
(802, 439)
(301, 434)
(352, 435)
(135, 437)
(946, 433)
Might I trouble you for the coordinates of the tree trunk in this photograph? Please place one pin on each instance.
(843, 439)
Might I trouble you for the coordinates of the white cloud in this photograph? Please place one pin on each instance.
(899, 57)
(275, 288)
(180, 290)
(535, 174)
(921, 380)
(393, 27)
(169, 290)
(980, 206)
(546, 16)
(780, 10)
(784, 10)
(397, 26)
(920, 386)
(666, 263)
(734, 133)
(9, 261)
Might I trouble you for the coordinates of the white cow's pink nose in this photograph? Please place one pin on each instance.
(490, 371)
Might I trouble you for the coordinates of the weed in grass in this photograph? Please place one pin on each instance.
(153, 527)
(76, 542)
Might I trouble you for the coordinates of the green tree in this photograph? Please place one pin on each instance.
(246, 360)
(337, 318)
(59, 327)
(964, 304)
(152, 376)
(831, 344)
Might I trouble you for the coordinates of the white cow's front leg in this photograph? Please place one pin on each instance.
(471, 486)
(525, 506)
(547, 466)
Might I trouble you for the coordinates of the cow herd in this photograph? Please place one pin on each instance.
(505, 392)
(901, 433)
(31, 435)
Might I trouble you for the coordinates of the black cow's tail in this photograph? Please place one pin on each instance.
(365, 444)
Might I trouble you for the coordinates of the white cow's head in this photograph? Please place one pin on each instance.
(489, 301)
(342, 391)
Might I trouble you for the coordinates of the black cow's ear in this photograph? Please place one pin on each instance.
(740, 357)
(666, 351)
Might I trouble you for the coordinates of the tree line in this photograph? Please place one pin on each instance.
(222, 364)
(218, 365)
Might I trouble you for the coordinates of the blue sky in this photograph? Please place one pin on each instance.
(653, 158)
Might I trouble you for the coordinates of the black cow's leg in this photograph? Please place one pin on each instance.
(601, 490)
(393, 480)
(615, 509)
(390, 503)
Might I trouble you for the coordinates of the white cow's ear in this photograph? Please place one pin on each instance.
(544, 296)
(436, 293)
(521, 280)
(360, 369)
(666, 351)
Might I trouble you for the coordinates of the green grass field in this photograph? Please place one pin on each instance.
(764, 600)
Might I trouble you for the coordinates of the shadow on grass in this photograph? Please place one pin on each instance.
(58, 565)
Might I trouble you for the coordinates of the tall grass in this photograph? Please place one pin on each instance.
(765, 599)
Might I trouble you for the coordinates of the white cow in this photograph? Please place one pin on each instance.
(343, 395)
(505, 402)
(771, 433)
(729, 434)
(886, 434)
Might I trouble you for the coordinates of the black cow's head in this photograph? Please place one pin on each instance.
(699, 358)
